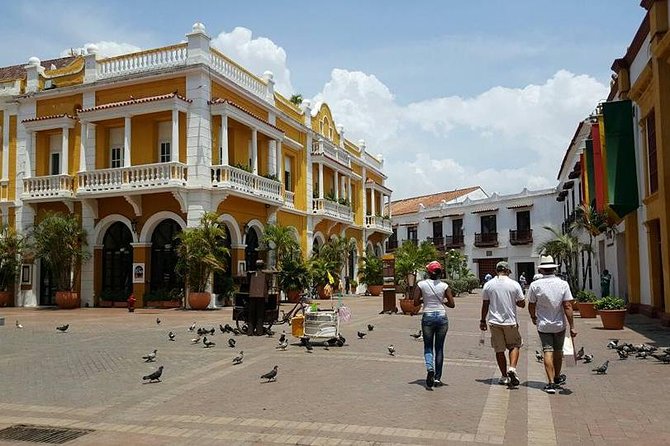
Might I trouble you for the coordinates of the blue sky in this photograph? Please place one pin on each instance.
(429, 85)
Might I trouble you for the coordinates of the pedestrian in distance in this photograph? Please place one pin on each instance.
(500, 298)
(487, 277)
(432, 293)
(605, 280)
(522, 281)
(550, 310)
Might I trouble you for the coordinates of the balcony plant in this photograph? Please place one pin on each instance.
(586, 300)
(370, 273)
(343, 201)
(612, 311)
(294, 276)
(244, 167)
(200, 253)
(12, 245)
(330, 196)
(60, 242)
(271, 176)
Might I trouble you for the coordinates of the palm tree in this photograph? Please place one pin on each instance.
(336, 253)
(565, 248)
(592, 222)
(411, 258)
(280, 239)
(296, 99)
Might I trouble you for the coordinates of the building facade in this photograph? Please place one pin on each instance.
(140, 145)
(487, 229)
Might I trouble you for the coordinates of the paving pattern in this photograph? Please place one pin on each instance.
(90, 378)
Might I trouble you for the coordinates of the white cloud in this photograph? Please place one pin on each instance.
(257, 55)
(105, 49)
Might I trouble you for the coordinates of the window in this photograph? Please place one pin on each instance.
(412, 233)
(489, 224)
(55, 147)
(394, 235)
(288, 173)
(116, 147)
(164, 156)
(652, 162)
(523, 220)
(164, 142)
(116, 157)
(437, 229)
(55, 163)
(457, 227)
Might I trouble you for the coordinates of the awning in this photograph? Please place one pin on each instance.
(480, 211)
(520, 205)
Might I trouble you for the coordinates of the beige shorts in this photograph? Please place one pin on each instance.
(505, 337)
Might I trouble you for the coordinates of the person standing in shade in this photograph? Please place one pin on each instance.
(432, 293)
(550, 310)
(500, 298)
(605, 280)
(522, 281)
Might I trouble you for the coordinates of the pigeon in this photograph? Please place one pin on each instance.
(235, 331)
(622, 354)
(18, 325)
(201, 331)
(231, 342)
(283, 345)
(588, 359)
(642, 355)
(665, 359)
(580, 354)
(238, 359)
(63, 328)
(171, 336)
(208, 344)
(155, 376)
(602, 370)
(195, 340)
(361, 335)
(308, 345)
(222, 328)
(417, 335)
(158, 321)
(613, 343)
(371, 327)
(245, 328)
(282, 338)
(271, 375)
(228, 328)
(192, 327)
(211, 331)
(539, 357)
(391, 350)
(150, 357)
(269, 332)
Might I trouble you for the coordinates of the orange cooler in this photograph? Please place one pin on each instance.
(298, 326)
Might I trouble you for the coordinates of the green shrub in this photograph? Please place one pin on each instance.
(473, 283)
(610, 303)
(586, 296)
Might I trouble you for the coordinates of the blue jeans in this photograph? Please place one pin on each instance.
(434, 327)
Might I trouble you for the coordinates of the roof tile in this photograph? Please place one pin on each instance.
(411, 205)
(133, 100)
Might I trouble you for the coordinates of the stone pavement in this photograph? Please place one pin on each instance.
(90, 378)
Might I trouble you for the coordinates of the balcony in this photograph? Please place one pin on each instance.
(521, 236)
(289, 199)
(454, 241)
(134, 178)
(48, 188)
(487, 239)
(328, 208)
(438, 242)
(321, 147)
(239, 180)
(378, 223)
(391, 245)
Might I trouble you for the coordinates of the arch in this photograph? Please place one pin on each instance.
(117, 261)
(255, 225)
(318, 240)
(369, 247)
(153, 221)
(252, 244)
(296, 234)
(104, 224)
(233, 227)
(164, 256)
(379, 249)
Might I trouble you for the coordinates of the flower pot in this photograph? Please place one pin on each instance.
(293, 296)
(67, 300)
(321, 290)
(407, 306)
(575, 305)
(198, 301)
(612, 319)
(587, 310)
(6, 298)
(375, 290)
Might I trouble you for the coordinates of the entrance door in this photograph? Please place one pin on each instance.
(486, 266)
(251, 251)
(117, 262)
(164, 257)
(528, 268)
(47, 286)
(223, 280)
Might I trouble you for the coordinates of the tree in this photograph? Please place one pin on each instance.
(565, 249)
(592, 222)
(336, 253)
(296, 99)
(371, 271)
(12, 246)
(280, 239)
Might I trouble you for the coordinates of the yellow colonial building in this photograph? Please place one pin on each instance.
(141, 145)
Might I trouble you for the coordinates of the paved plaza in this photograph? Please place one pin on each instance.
(90, 378)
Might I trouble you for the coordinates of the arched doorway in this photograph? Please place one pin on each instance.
(164, 257)
(223, 280)
(251, 251)
(315, 246)
(351, 269)
(117, 262)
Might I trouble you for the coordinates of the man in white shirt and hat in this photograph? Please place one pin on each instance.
(551, 311)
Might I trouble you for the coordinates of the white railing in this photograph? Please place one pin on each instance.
(289, 199)
(237, 74)
(143, 61)
(373, 160)
(48, 186)
(321, 147)
(4, 190)
(241, 180)
(331, 208)
(143, 176)
(377, 222)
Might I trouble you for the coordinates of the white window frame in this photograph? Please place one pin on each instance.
(55, 140)
(168, 155)
(165, 140)
(120, 157)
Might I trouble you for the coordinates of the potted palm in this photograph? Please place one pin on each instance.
(11, 250)
(293, 276)
(320, 273)
(60, 243)
(370, 273)
(409, 260)
(201, 252)
(586, 300)
(612, 311)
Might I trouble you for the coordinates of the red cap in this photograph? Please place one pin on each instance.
(433, 266)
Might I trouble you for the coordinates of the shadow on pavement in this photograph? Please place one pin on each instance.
(489, 381)
(422, 383)
(533, 384)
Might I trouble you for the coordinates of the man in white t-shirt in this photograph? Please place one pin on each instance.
(550, 309)
(500, 297)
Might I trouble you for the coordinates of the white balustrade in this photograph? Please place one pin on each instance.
(237, 74)
(378, 222)
(289, 199)
(143, 176)
(47, 187)
(331, 208)
(243, 181)
(142, 61)
(321, 147)
(372, 160)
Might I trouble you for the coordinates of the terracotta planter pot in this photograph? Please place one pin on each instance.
(587, 310)
(199, 301)
(293, 296)
(375, 290)
(6, 298)
(321, 290)
(407, 306)
(67, 300)
(612, 319)
(575, 305)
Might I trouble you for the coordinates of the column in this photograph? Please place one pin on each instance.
(273, 162)
(65, 151)
(82, 146)
(280, 161)
(320, 180)
(88, 215)
(349, 191)
(174, 145)
(5, 145)
(373, 210)
(254, 151)
(126, 142)
(389, 208)
(364, 191)
(337, 186)
(223, 140)
(30, 146)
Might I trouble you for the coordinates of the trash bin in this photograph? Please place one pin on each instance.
(298, 326)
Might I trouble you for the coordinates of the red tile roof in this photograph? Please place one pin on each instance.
(132, 101)
(44, 118)
(411, 205)
(248, 112)
(13, 72)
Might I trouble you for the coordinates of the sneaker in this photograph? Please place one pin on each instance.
(430, 378)
(437, 383)
(503, 381)
(550, 388)
(560, 379)
(513, 379)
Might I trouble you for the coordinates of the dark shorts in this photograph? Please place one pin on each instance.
(552, 342)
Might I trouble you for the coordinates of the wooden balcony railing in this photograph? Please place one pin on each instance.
(486, 239)
(520, 236)
(454, 241)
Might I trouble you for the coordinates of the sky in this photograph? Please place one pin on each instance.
(451, 93)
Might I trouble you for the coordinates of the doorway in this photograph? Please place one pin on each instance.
(117, 262)
(164, 257)
(47, 286)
